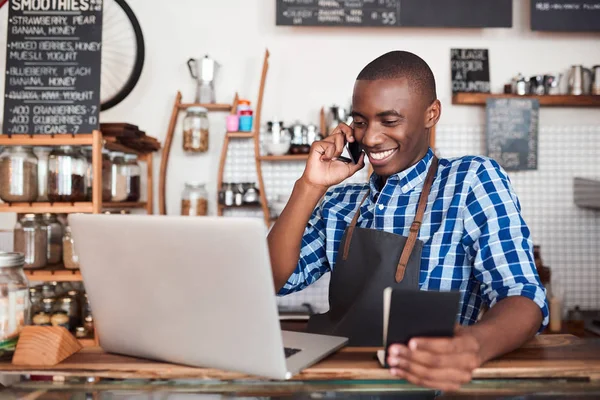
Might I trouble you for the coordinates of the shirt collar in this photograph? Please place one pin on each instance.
(408, 178)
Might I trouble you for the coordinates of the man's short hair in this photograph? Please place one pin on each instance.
(403, 64)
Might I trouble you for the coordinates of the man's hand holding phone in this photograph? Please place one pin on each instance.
(325, 167)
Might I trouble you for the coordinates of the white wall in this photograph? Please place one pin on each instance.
(312, 67)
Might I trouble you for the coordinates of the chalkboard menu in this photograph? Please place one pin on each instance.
(566, 16)
(470, 70)
(390, 13)
(52, 82)
(512, 132)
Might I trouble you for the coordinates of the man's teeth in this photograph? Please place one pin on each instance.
(381, 155)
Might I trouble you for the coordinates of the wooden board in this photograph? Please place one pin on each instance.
(546, 356)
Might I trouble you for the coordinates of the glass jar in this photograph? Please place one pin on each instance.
(35, 299)
(118, 177)
(43, 315)
(194, 200)
(134, 173)
(70, 257)
(89, 172)
(42, 154)
(106, 176)
(14, 301)
(31, 240)
(66, 175)
(18, 174)
(55, 238)
(195, 130)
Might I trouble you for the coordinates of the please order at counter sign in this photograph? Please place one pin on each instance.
(53, 61)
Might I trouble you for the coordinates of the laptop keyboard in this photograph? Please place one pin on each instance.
(290, 351)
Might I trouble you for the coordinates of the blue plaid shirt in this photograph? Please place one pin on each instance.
(475, 239)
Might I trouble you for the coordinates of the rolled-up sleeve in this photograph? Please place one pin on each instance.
(313, 261)
(498, 239)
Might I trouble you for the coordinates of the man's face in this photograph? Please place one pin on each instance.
(391, 124)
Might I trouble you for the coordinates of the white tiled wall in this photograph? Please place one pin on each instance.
(569, 236)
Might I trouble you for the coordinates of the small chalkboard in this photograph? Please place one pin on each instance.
(512, 132)
(396, 13)
(53, 58)
(565, 16)
(470, 70)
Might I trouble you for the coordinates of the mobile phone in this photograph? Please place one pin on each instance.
(354, 149)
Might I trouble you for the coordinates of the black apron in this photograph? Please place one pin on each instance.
(368, 261)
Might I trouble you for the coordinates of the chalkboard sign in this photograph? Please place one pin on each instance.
(52, 82)
(470, 70)
(395, 13)
(512, 132)
(566, 16)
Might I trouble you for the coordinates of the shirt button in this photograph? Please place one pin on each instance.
(381, 207)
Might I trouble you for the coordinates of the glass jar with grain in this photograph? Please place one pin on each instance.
(14, 302)
(134, 173)
(55, 238)
(195, 130)
(66, 175)
(194, 199)
(31, 240)
(42, 154)
(118, 177)
(70, 257)
(18, 174)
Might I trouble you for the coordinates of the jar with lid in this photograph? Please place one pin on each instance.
(118, 177)
(43, 315)
(134, 173)
(89, 172)
(42, 154)
(14, 301)
(18, 174)
(66, 175)
(35, 299)
(195, 130)
(194, 199)
(66, 313)
(70, 257)
(86, 313)
(106, 175)
(55, 237)
(31, 240)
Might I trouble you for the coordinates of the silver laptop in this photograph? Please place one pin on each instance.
(190, 291)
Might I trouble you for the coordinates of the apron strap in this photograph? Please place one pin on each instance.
(351, 228)
(416, 225)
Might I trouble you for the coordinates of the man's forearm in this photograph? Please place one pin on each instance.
(506, 326)
(286, 235)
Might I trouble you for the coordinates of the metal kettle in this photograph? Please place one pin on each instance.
(596, 80)
(203, 71)
(580, 80)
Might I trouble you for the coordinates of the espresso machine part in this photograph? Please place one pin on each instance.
(536, 85)
(336, 115)
(580, 79)
(596, 80)
(552, 84)
(203, 71)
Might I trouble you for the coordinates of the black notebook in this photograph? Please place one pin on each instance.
(416, 313)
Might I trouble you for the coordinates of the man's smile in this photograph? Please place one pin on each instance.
(381, 157)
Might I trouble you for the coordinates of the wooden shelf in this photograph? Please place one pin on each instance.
(209, 107)
(87, 342)
(479, 99)
(46, 140)
(240, 135)
(53, 275)
(40, 208)
(287, 157)
(124, 205)
(253, 205)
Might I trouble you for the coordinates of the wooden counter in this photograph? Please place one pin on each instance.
(546, 356)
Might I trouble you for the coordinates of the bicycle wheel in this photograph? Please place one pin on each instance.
(123, 51)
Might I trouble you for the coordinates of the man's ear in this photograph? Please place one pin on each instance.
(433, 113)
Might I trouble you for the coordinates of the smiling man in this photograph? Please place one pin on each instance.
(419, 223)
